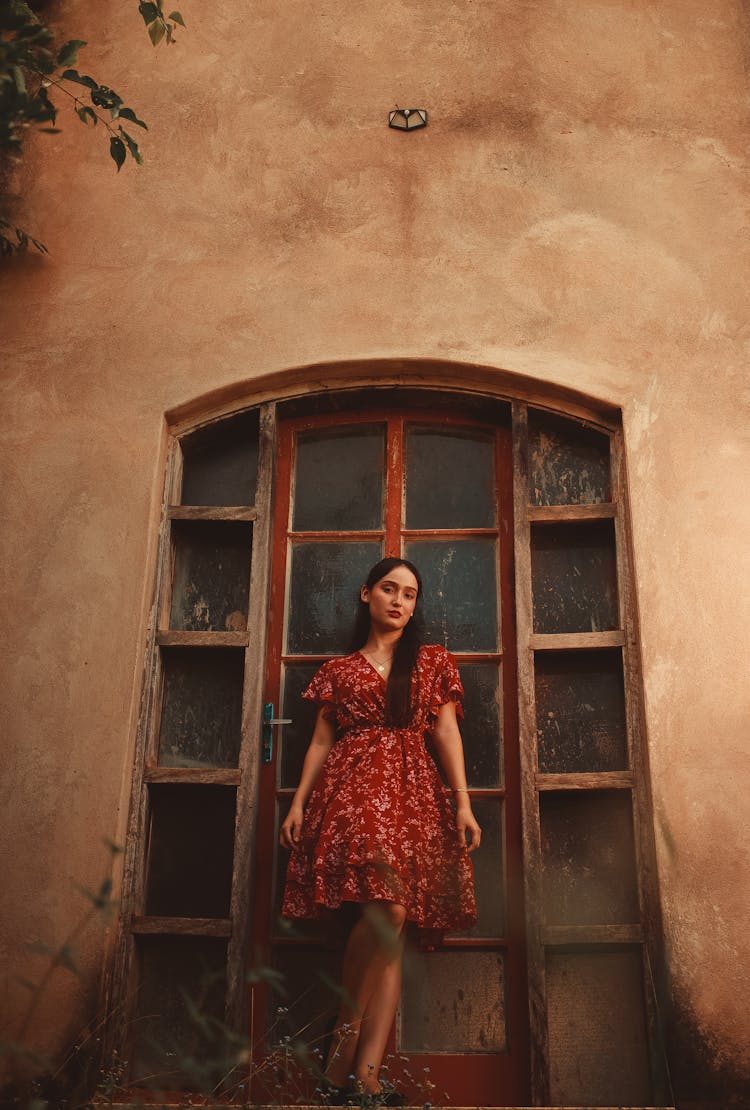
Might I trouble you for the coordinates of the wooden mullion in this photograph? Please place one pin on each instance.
(212, 512)
(575, 641)
(448, 533)
(252, 703)
(203, 639)
(586, 780)
(216, 776)
(532, 851)
(571, 513)
(336, 537)
(395, 509)
(554, 935)
(181, 926)
(645, 848)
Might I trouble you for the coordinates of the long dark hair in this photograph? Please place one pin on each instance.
(399, 697)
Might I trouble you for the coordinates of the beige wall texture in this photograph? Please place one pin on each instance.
(576, 211)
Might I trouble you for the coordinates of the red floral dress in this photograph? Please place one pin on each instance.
(379, 824)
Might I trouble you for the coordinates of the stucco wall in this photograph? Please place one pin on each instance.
(576, 211)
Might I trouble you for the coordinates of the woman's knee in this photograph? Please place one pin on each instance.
(394, 913)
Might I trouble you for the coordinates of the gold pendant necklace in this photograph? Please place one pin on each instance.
(378, 666)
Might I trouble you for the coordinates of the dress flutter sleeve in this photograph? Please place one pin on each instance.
(321, 691)
(447, 687)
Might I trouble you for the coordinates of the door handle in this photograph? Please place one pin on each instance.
(268, 726)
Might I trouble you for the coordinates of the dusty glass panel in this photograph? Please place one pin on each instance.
(568, 462)
(181, 983)
(201, 708)
(481, 728)
(339, 480)
(324, 593)
(453, 1001)
(489, 881)
(190, 850)
(220, 462)
(211, 579)
(588, 858)
(450, 479)
(574, 577)
(580, 712)
(596, 1019)
(296, 736)
(460, 592)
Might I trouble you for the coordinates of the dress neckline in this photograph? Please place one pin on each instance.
(371, 667)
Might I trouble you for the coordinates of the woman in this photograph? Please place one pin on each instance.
(371, 822)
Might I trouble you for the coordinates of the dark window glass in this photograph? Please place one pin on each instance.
(450, 479)
(460, 592)
(296, 736)
(568, 462)
(580, 711)
(588, 858)
(324, 593)
(598, 1044)
(574, 577)
(489, 883)
(220, 462)
(453, 1002)
(179, 998)
(481, 728)
(190, 850)
(211, 575)
(310, 999)
(339, 480)
(201, 709)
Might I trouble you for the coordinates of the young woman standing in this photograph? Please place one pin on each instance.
(371, 822)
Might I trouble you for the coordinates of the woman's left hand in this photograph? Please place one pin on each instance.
(466, 822)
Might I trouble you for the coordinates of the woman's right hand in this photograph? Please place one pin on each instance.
(290, 831)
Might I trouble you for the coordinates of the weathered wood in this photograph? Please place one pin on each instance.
(572, 641)
(589, 780)
(527, 745)
(203, 639)
(252, 704)
(212, 512)
(600, 511)
(590, 934)
(182, 926)
(207, 776)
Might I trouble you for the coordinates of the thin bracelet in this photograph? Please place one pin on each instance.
(460, 790)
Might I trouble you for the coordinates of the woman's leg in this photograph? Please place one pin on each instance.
(371, 982)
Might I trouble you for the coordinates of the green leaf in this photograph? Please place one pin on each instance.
(19, 79)
(85, 113)
(156, 32)
(149, 12)
(132, 147)
(80, 79)
(177, 18)
(117, 151)
(68, 52)
(128, 113)
(50, 130)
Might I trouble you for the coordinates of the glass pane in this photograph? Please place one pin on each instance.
(288, 926)
(588, 858)
(580, 712)
(323, 595)
(311, 997)
(220, 463)
(190, 851)
(460, 592)
(296, 736)
(489, 883)
(568, 463)
(211, 575)
(339, 480)
(596, 1019)
(172, 1047)
(201, 707)
(574, 577)
(481, 728)
(453, 1002)
(450, 479)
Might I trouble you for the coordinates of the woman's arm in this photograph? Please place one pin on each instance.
(320, 745)
(450, 751)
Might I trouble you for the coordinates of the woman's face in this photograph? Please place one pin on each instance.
(392, 599)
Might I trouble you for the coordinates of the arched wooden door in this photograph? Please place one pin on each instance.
(351, 487)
